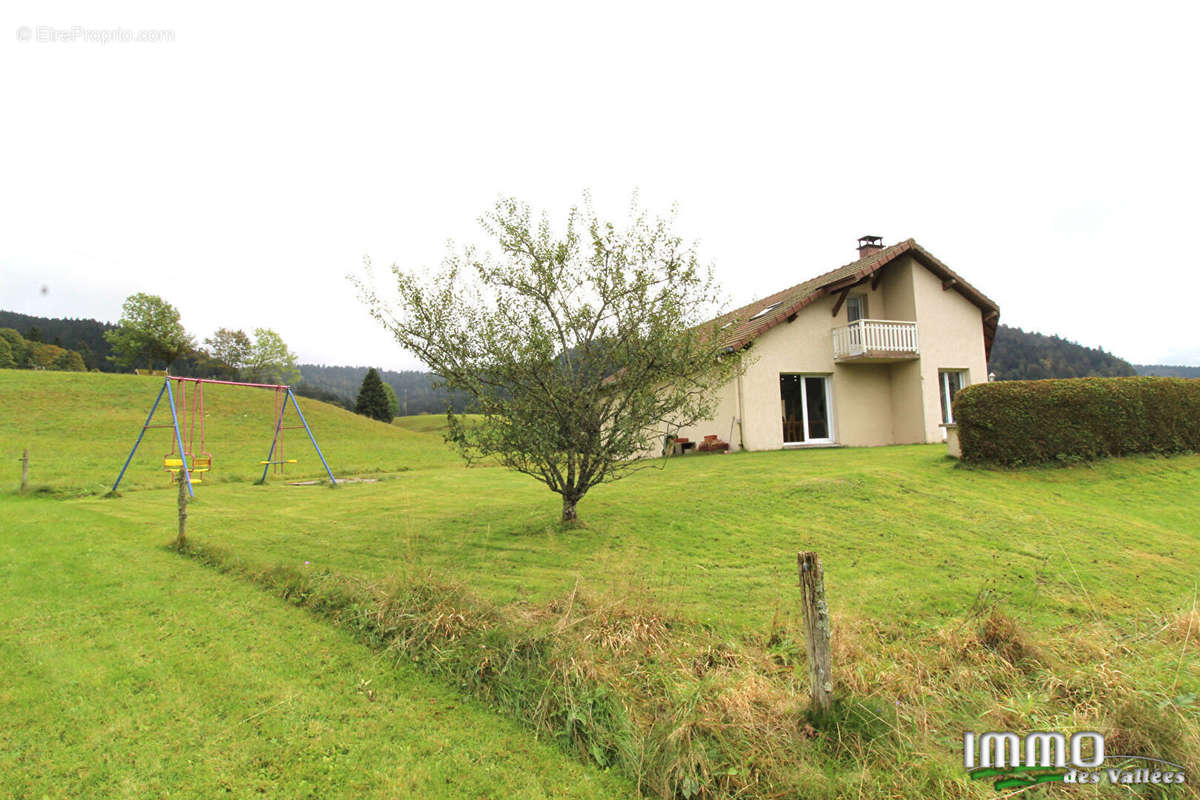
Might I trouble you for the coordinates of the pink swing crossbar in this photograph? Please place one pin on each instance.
(229, 383)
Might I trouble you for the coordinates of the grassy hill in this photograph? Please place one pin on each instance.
(1043, 599)
(80, 428)
(434, 424)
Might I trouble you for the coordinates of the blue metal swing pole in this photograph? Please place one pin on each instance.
(275, 441)
(153, 408)
(311, 438)
(187, 473)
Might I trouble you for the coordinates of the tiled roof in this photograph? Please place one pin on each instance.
(737, 328)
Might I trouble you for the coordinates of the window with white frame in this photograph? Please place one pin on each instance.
(806, 404)
(951, 381)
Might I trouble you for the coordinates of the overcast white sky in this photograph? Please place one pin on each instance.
(1045, 151)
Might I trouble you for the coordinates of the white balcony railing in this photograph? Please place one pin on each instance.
(875, 337)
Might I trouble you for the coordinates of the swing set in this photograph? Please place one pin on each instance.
(189, 460)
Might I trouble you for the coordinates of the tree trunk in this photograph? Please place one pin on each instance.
(569, 502)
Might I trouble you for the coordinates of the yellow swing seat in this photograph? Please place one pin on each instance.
(174, 466)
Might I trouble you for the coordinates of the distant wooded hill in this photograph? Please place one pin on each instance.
(85, 336)
(1167, 371)
(1017, 355)
(414, 389)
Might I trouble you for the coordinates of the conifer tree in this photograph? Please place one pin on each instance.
(372, 398)
(393, 401)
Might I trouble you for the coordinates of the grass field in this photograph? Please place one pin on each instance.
(963, 599)
(80, 427)
(424, 423)
(130, 672)
(1056, 543)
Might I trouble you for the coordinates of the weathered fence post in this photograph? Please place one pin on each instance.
(183, 501)
(25, 471)
(816, 630)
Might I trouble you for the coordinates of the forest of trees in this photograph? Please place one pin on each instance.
(266, 357)
(84, 336)
(19, 352)
(1017, 355)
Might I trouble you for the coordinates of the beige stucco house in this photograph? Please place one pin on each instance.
(868, 354)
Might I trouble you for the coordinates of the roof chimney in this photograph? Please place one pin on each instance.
(868, 245)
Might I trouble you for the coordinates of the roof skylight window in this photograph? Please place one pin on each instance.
(763, 312)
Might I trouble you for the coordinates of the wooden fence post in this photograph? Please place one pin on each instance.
(816, 630)
(183, 501)
(25, 471)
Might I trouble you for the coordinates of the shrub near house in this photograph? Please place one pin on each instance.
(1031, 422)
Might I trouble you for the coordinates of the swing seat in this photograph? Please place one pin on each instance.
(200, 464)
(287, 461)
(194, 474)
(175, 465)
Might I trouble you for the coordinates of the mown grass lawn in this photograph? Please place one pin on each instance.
(904, 535)
(130, 672)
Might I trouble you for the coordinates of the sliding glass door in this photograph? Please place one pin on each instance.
(806, 409)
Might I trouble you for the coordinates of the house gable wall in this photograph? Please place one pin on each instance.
(950, 330)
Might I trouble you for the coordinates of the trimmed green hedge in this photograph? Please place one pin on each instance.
(1033, 422)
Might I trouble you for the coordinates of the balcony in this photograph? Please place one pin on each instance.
(875, 340)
